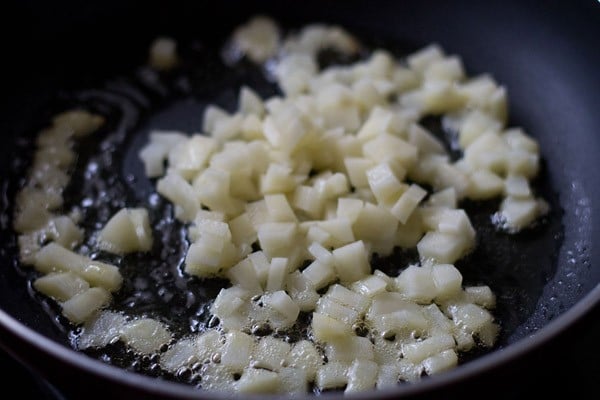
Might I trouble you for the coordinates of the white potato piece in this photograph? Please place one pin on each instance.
(100, 330)
(83, 305)
(362, 376)
(440, 362)
(127, 231)
(54, 258)
(332, 375)
(255, 381)
(305, 356)
(326, 329)
(351, 262)
(270, 353)
(61, 286)
(237, 350)
(145, 335)
(258, 39)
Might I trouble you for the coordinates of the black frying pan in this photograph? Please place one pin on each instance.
(544, 52)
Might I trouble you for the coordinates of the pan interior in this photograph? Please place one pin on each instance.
(537, 275)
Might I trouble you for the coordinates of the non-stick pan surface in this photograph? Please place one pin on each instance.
(545, 53)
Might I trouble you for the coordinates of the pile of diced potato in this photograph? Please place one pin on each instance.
(319, 179)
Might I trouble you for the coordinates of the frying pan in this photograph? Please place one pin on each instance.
(546, 53)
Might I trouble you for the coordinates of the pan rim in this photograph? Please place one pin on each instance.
(154, 386)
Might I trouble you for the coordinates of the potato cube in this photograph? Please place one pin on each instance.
(407, 203)
(384, 183)
(277, 238)
(61, 286)
(83, 305)
(237, 350)
(54, 258)
(320, 274)
(447, 280)
(419, 351)
(440, 362)
(370, 286)
(326, 329)
(332, 375)
(277, 274)
(356, 168)
(362, 376)
(101, 329)
(349, 349)
(270, 353)
(305, 356)
(351, 262)
(145, 335)
(302, 291)
(181, 193)
(346, 297)
(258, 381)
(443, 247)
(417, 284)
(244, 275)
(126, 232)
(293, 381)
(282, 303)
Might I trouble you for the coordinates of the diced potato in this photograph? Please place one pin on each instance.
(81, 122)
(351, 262)
(407, 203)
(277, 274)
(517, 213)
(100, 330)
(181, 193)
(277, 238)
(440, 362)
(302, 291)
(258, 38)
(423, 58)
(417, 283)
(261, 265)
(349, 349)
(326, 329)
(284, 306)
(237, 351)
(191, 156)
(244, 275)
(384, 183)
(362, 376)
(305, 356)
(83, 305)
(484, 184)
(63, 231)
(61, 286)
(370, 286)
(126, 232)
(517, 186)
(270, 353)
(338, 311)
(293, 381)
(339, 230)
(320, 274)
(54, 258)
(183, 353)
(447, 280)
(346, 297)
(357, 168)
(419, 351)
(254, 381)
(386, 146)
(443, 247)
(481, 295)
(145, 335)
(375, 225)
(332, 376)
